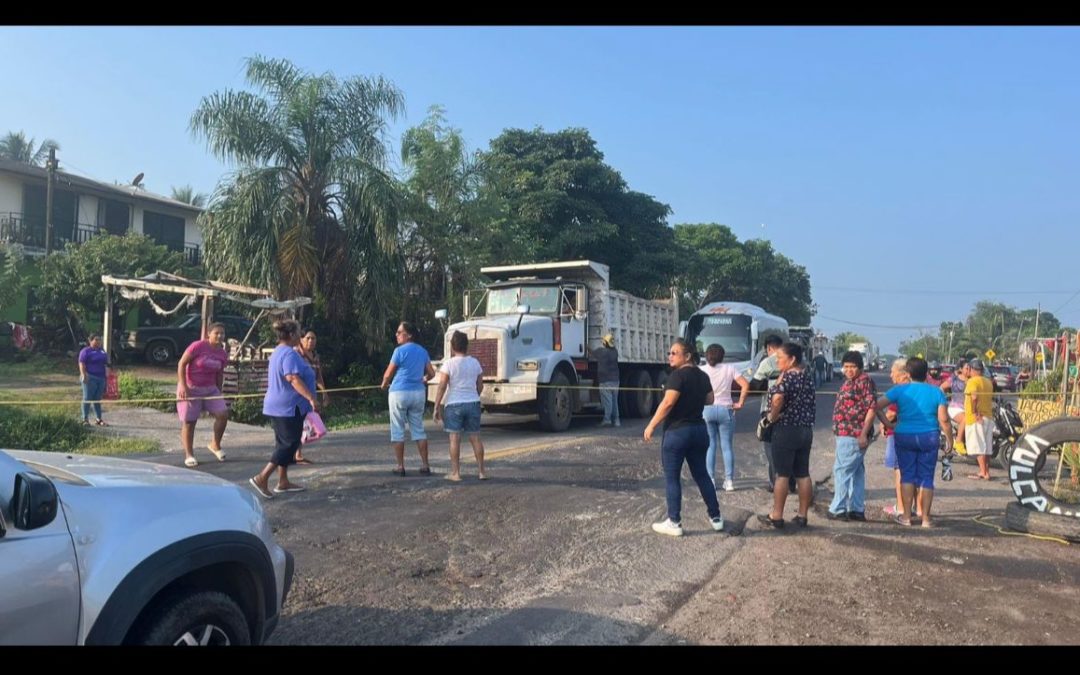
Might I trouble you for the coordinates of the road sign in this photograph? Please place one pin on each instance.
(1072, 371)
(990, 354)
(1039, 357)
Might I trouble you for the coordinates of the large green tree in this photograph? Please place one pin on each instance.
(444, 234)
(312, 208)
(17, 147)
(554, 198)
(989, 325)
(71, 280)
(715, 265)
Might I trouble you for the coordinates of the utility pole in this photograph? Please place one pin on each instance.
(50, 167)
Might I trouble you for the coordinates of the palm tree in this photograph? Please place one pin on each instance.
(311, 208)
(188, 195)
(15, 146)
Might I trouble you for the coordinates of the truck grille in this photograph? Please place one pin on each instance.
(486, 351)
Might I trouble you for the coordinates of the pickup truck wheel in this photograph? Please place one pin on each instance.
(195, 619)
(160, 352)
(556, 404)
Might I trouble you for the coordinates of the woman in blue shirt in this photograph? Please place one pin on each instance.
(410, 369)
(921, 412)
(290, 396)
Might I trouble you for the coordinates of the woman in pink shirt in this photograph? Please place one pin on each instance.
(200, 374)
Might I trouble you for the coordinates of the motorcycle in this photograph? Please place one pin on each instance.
(1007, 430)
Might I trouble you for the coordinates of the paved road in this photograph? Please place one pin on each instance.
(557, 549)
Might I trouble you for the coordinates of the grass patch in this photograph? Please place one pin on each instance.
(21, 365)
(356, 419)
(133, 389)
(111, 446)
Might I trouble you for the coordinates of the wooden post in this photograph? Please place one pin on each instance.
(207, 314)
(1065, 409)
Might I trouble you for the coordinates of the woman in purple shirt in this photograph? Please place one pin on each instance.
(290, 396)
(92, 363)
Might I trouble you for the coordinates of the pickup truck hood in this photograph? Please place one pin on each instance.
(109, 471)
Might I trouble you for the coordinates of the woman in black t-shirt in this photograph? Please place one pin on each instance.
(686, 392)
(792, 411)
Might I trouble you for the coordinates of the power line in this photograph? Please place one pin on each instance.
(875, 325)
(1066, 302)
(938, 292)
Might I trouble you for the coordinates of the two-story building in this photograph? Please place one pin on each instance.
(85, 208)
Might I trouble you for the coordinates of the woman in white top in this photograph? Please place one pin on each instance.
(720, 416)
(461, 379)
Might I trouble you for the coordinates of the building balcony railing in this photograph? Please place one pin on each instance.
(17, 229)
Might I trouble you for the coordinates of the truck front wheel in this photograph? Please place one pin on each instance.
(556, 403)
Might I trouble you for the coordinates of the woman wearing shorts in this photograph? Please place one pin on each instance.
(792, 412)
(409, 369)
(199, 375)
(461, 376)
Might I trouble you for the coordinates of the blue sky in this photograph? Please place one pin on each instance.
(887, 160)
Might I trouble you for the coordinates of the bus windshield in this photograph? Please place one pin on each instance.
(730, 331)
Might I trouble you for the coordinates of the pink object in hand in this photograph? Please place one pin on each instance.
(314, 429)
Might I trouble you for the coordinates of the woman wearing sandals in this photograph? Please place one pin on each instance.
(686, 393)
(792, 412)
(290, 395)
(199, 375)
(409, 369)
(92, 363)
(922, 411)
(463, 377)
(306, 348)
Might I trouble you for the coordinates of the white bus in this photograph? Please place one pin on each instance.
(739, 327)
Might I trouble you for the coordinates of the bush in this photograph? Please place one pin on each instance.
(248, 411)
(49, 431)
(133, 389)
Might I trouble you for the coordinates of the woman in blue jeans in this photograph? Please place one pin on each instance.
(687, 392)
(720, 416)
(92, 364)
(410, 369)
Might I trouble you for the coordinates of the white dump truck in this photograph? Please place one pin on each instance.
(533, 330)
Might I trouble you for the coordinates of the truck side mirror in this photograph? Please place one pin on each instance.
(581, 301)
(465, 308)
(522, 311)
(753, 332)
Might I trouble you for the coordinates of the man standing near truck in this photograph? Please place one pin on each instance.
(607, 376)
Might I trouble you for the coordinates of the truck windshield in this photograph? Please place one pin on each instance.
(730, 331)
(541, 299)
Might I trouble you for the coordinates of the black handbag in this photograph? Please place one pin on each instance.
(764, 429)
